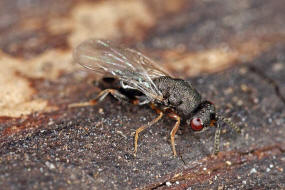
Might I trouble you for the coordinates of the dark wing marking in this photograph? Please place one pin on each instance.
(128, 65)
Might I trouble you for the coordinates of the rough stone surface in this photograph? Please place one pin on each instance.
(233, 52)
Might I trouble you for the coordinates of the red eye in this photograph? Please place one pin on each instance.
(196, 124)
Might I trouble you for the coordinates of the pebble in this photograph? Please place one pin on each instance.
(228, 163)
(252, 171)
(168, 183)
(50, 165)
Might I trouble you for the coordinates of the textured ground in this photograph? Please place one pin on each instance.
(232, 51)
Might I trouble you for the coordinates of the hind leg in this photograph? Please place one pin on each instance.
(101, 96)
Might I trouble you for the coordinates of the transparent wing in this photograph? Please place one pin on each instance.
(128, 65)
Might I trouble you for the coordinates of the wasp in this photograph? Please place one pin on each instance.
(142, 82)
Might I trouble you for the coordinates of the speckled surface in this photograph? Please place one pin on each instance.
(232, 52)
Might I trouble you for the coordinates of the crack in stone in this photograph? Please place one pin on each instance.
(269, 80)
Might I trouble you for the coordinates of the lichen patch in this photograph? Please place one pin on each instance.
(16, 97)
(111, 20)
(215, 59)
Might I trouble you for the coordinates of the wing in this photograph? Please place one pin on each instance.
(128, 65)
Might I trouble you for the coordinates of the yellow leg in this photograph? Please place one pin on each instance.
(143, 128)
(83, 104)
(173, 131)
(99, 98)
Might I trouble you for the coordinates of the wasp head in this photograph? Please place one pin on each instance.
(203, 117)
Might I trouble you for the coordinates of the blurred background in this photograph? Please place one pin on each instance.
(189, 38)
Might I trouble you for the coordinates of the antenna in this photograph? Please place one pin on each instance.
(217, 139)
(229, 122)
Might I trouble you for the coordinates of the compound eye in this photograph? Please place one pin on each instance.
(196, 124)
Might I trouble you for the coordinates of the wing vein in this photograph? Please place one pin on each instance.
(128, 65)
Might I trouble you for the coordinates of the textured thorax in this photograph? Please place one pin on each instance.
(178, 94)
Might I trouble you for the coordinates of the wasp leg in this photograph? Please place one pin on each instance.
(143, 102)
(101, 97)
(139, 102)
(217, 140)
(146, 126)
(174, 130)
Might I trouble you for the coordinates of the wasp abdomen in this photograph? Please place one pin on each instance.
(179, 94)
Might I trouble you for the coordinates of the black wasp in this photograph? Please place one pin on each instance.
(142, 82)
